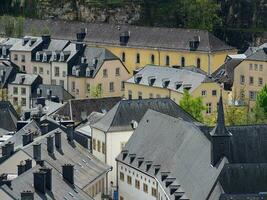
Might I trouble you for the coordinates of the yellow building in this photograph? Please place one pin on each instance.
(138, 46)
(99, 73)
(160, 82)
(244, 75)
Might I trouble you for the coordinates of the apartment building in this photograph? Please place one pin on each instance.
(21, 89)
(166, 82)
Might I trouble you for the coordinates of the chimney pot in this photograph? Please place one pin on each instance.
(21, 168)
(39, 179)
(27, 138)
(58, 140)
(44, 128)
(70, 130)
(21, 124)
(50, 144)
(28, 164)
(8, 149)
(27, 195)
(48, 181)
(37, 151)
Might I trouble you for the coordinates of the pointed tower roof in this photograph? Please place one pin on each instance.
(220, 129)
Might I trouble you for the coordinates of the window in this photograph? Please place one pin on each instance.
(130, 95)
(88, 88)
(53, 82)
(261, 66)
(117, 71)
(4, 50)
(154, 192)
(64, 74)
(44, 57)
(56, 71)
(23, 101)
(198, 63)
(252, 95)
(137, 184)
(138, 58)
(15, 101)
(140, 95)
(182, 61)
(256, 67)
(121, 176)
(37, 56)
(23, 91)
(250, 66)
(214, 92)
(103, 148)
(22, 58)
(98, 146)
(167, 60)
(41, 70)
(260, 81)
(111, 86)
(105, 73)
(251, 80)
(15, 90)
(61, 82)
(242, 79)
(35, 70)
(203, 93)
(16, 57)
(122, 86)
(73, 85)
(145, 188)
(208, 108)
(94, 144)
(123, 57)
(152, 59)
(129, 180)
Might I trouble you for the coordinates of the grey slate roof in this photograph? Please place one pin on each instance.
(259, 55)
(18, 46)
(119, 118)
(87, 167)
(75, 107)
(57, 90)
(10, 70)
(151, 37)
(29, 79)
(60, 188)
(185, 76)
(8, 116)
(180, 148)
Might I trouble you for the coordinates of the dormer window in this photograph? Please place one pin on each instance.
(137, 78)
(165, 83)
(73, 70)
(44, 57)
(77, 72)
(178, 84)
(187, 86)
(87, 72)
(54, 56)
(83, 60)
(151, 80)
(37, 56)
(61, 57)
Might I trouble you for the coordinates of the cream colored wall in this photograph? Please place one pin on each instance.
(79, 91)
(46, 71)
(27, 63)
(27, 96)
(98, 135)
(63, 68)
(244, 69)
(216, 59)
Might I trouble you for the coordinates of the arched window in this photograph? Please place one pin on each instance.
(73, 70)
(167, 60)
(182, 61)
(62, 56)
(54, 56)
(152, 59)
(137, 58)
(37, 56)
(198, 63)
(123, 57)
(44, 57)
(87, 72)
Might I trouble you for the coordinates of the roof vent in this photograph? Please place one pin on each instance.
(132, 157)
(156, 169)
(134, 124)
(140, 161)
(187, 86)
(164, 175)
(165, 83)
(32, 41)
(178, 84)
(151, 80)
(169, 181)
(148, 165)
(25, 40)
(137, 78)
(173, 188)
(124, 38)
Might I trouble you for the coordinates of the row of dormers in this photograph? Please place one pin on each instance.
(46, 56)
(172, 187)
(165, 82)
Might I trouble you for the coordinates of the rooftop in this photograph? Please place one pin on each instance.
(8, 116)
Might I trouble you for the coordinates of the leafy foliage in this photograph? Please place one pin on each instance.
(194, 106)
(96, 92)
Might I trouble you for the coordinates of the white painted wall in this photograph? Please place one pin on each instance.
(11, 95)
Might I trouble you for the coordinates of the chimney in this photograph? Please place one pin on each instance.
(28, 164)
(40, 101)
(68, 173)
(49, 94)
(37, 151)
(39, 92)
(27, 115)
(48, 182)
(27, 195)
(40, 162)
(50, 144)
(8, 149)
(70, 130)
(58, 140)
(21, 124)
(3, 180)
(46, 40)
(39, 181)
(79, 46)
(21, 168)
(44, 128)
(80, 36)
(27, 138)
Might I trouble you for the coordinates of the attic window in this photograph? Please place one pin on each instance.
(187, 86)
(62, 57)
(83, 60)
(54, 56)
(140, 161)
(178, 85)
(4, 50)
(74, 70)
(32, 41)
(44, 57)
(165, 83)
(88, 72)
(148, 165)
(151, 80)
(124, 154)
(132, 157)
(37, 56)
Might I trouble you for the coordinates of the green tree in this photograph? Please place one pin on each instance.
(96, 92)
(260, 110)
(194, 106)
(236, 115)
